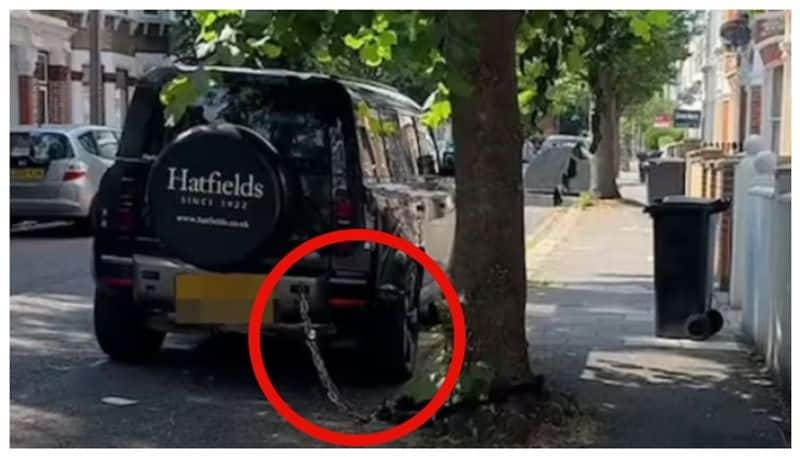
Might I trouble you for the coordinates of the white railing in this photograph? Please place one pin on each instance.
(761, 277)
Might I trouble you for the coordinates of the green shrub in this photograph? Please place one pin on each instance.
(655, 137)
(585, 200)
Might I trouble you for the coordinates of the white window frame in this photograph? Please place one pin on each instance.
(775, 106)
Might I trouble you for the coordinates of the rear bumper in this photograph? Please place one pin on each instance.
(47, 208)
(179, 297)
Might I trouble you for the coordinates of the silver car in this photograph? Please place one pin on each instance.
(56, 170)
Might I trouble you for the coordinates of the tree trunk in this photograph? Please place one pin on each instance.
(489, 252)
(604, 178)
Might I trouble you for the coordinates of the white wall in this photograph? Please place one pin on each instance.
(764, 281)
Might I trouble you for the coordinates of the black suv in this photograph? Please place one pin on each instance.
(192, 216)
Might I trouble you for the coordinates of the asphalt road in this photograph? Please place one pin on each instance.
(200, 391)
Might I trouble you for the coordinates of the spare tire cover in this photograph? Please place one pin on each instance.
(214, 195)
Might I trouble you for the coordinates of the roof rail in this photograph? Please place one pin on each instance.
(365, 81)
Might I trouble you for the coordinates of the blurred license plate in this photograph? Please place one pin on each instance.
(217, 298)
(27, 174)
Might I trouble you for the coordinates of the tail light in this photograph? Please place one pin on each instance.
(75, 171)
(344, 215)
(126, 220)
(344, 209)
(126, 215)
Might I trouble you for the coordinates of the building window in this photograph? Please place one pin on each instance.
(40, 86)
(776, 99)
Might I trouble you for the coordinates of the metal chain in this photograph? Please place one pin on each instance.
(322, 371)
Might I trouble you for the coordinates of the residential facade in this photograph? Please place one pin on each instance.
(738, 75)
(50, 62)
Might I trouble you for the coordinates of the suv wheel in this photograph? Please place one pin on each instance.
(394, 328)
(120, 329)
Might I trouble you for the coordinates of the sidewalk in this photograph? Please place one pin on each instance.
(590, 324)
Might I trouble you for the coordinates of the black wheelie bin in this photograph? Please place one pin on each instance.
(684, 230)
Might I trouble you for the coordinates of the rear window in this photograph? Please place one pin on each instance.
(298, 132)
(40, 145)
(295, 116)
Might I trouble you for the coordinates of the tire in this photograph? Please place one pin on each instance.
(119, 327)
(84, 226)
(698, 327)
(715, 319)
(394, 328)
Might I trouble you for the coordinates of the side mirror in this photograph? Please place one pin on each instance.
(426, 165)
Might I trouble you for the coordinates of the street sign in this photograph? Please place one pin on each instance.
(686, 119)
(662, 120)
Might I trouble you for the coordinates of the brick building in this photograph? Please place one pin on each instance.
(50, 62)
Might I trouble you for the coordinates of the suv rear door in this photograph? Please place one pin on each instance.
(300, 117)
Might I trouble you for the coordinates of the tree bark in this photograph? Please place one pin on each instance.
(489, 253)
(606, 163)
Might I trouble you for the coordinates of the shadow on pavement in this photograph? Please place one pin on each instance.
(595, 339)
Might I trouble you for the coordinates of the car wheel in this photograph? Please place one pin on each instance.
(120, 329)
(85, 225)
(715, 319)
(698, 327)
(394, 329)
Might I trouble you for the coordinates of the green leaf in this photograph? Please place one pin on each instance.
(658, 18)
(271, 50)
(228, 34)
(176, 96)
(420, 388)
(362, 108)
(380, 23)
(229, 54)
(596, 19)
(439, 112)
(228, 13)
(574, 60)
(354, 42)
(323, 55)
(208, 35)
(387, 38)
(205, 49)
(201, 81)
(525, 97)
(579, 39)
(370, 56)
(388, 128)
(265, 47)
(205, 18)
(385, 52)
(640, 28)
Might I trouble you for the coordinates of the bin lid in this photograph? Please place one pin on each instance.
(667, 162)
(682, 202)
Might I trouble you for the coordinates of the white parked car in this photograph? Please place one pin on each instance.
(56, 170)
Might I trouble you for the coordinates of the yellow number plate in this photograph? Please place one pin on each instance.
(217, 298)
(27, 174)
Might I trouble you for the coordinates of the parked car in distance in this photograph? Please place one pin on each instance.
(565, 141)
(56, 170)
(562, 164)
(192, 217)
